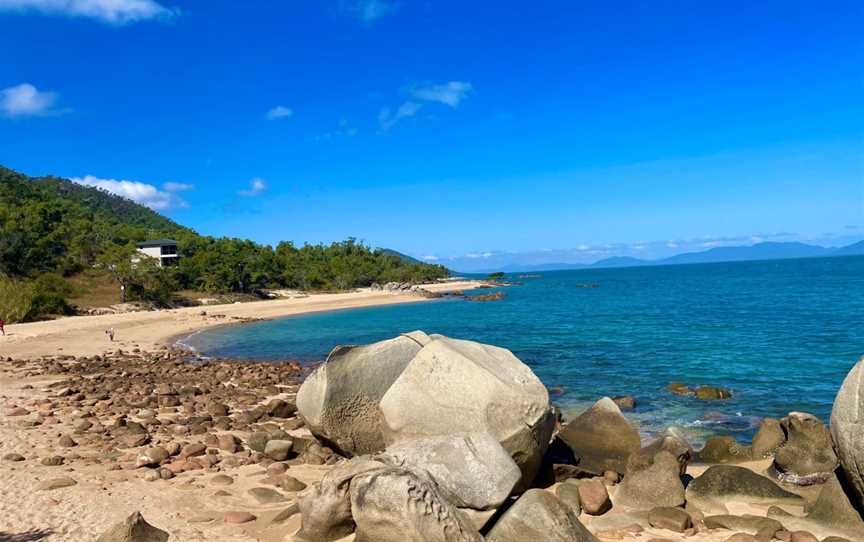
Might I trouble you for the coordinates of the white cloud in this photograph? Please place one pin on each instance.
(177, 187)
(143, 193)
(25, 100)
(583, 247)
(387, 118)
(257, 186)
(109, 11)
(370, 11)
(451, 93)
(279, 112)
(430, 258)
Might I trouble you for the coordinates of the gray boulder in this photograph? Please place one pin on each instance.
(455, 387)
(568, 493)
(602, 438)
(847, 428)
(722, 483)
(339, 402)
(764, 528)
(133, 529)
(672, 440)
(650, 482)
(720, 450)
(768, 438)
(402, 505)
(539, 516)
(472, 471)
(808, 456)
(831, 514)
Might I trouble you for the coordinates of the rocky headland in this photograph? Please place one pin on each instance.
(417, 438)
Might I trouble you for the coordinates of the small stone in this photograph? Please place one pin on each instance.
(803, 536)
(594, 497)
(67, 442)
(53, 461)
(55, 483)
(13, 457)
(238, 517)
(228, 443)
(222, 480)
(611, 476)
(276, 469)
(192, 450)
(278, 450)
(265, 495)
(289, 483)
(151, 457)
(672, 519)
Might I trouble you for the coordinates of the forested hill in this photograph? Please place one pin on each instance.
(52, 227)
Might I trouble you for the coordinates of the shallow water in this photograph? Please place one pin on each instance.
(780, 334)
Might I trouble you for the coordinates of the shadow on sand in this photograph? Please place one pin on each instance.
(29, 536)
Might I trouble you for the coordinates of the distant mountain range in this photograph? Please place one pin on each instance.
(759, 251)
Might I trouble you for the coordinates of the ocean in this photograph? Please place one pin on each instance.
(781, 335)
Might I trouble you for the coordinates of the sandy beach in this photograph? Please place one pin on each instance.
(149, 330)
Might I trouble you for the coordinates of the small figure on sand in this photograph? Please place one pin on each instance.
(110, 333)
(2, 326)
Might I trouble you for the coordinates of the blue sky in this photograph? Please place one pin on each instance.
(451, 130)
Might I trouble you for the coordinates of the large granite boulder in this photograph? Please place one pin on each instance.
(472, 471)
(808, 456)
(539, 516)
(651, 480)
(832, 514)
(340, 400)
(847, 428)
(602, 438)
(720, 484)
(454, 387)
(402, 505)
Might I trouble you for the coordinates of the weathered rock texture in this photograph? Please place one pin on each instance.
(601, 438)
(416, 386)
(847, 429)
(724, 483)
(808, 456)
(133, 529)
(539, 516)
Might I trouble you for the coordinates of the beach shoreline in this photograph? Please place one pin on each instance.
(149, 331)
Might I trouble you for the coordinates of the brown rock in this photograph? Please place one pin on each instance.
(13, 457)
(802, 536)
(741, 537)
(67, 442)
(594, 497)
(238, 517)
(55, 483)
(53, 461)
(192, 450)
(672, 519)
(222, 480)
(625, 402)
(289, 483)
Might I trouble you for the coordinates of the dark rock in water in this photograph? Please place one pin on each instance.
(724, 450)
(808, 456)
(497, 296)
(670, 518)
(722, 483)
(602, 438)
(133, 529)
(710, 393)
(768, 439)
(847, 428)
(650, 482)
(625, 402)
(539, 516)
(679, 388)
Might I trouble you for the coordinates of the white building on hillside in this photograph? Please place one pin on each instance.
(164, 250)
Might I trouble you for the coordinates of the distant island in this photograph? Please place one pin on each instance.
(759, 251)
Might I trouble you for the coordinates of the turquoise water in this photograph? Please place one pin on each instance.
(780, 334)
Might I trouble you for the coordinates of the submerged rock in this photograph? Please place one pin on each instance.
(602, 438)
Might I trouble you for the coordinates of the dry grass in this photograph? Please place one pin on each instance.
(94, 289)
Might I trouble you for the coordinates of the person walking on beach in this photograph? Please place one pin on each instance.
(2, 327)
(110, 333)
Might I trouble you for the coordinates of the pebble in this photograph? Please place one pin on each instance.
(67, 442)
(803, 536)
(239, 517)
(13, 457)
(265, 495)
(55, 483)
(52, 461)
(289, 483)
(222, 480)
